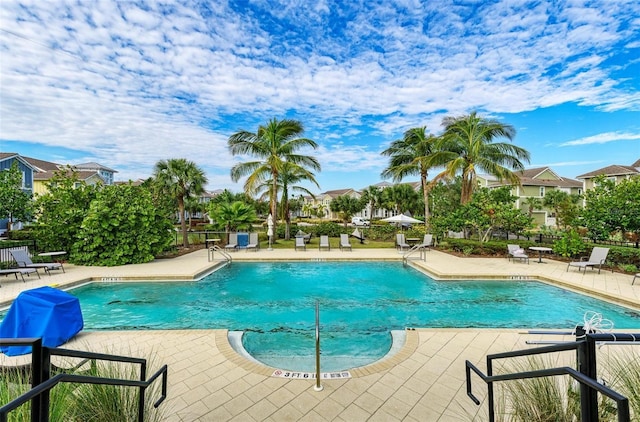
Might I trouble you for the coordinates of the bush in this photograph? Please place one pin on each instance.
(569, 245)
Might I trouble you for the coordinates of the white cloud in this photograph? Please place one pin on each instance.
(603, 138)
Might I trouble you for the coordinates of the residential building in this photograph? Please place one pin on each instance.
(535, 183)
(6, 161)
(615, 172)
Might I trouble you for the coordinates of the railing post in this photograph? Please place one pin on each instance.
(586, 356)
(490, 398)
(143, 376)
(318, 386)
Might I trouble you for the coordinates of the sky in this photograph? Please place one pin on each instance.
(129, 83)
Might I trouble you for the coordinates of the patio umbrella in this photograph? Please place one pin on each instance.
(402, 220)
(270, 229)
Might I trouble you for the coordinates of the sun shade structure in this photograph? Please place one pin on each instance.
(44, 312)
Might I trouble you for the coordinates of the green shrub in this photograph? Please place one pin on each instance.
(569, 245)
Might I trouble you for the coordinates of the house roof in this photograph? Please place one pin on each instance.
(337, 192)
(613, 170)
(533, 177)
(9, 155)
(93, 166)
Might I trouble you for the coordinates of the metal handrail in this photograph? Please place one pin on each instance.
(586, 355)
(42, 383)
(224, 253)
(318, 386)
(418, 247)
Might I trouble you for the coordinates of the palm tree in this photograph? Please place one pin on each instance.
(290, 173)
(273, 144)
(411, 155)
(232, 215)
(532, 203)
(372, 196)
(467, 145)
(181, 179)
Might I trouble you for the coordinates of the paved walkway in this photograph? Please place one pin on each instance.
(208, 381)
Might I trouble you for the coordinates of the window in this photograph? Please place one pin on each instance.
(541, 191)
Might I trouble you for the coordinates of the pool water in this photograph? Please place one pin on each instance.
(360, 302)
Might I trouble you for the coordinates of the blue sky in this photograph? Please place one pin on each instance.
(128, 83)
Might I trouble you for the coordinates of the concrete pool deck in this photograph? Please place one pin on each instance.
(425, 381)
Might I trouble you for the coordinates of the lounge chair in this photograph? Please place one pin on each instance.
(344, 242)
(21, 271)
(401, 243)
(516, 252)
(254, 243)
(300, 244)
(598, 257)
(324, 243)
(427, 242)
(22, 258)
(634, 278)
(233, 242)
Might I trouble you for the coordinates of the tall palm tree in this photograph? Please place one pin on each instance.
(181, 179)
(467, 145)
(290, 174)
(372, 195)
(272, 144)
(411, 155)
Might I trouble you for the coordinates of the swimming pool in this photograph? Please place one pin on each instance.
(360, 303)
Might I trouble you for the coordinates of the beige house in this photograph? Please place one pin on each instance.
(323, 200)
(615, 172)
(535, 183)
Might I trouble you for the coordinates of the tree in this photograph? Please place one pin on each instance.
(372, 196)
(564, 205)
(272, 144)
(532, 203)
(232, 215)
(345, 206)
(401, 198)
(467, 145)
(411, 155)
(181, 179)
(121, 227)
(15, 203)
(62, 209)
(290, 174)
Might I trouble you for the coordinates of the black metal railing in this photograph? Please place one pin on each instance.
(42, 382)
(586, 374)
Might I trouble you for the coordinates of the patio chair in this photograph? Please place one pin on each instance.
(634, 278)
(401, 243)
(21, 271)
(254, 243)
(22, 258)
(516, 252)
(427, 242)
(324, 243)
(300, 244)
(597, 258)
(233, 242)
(345, 243)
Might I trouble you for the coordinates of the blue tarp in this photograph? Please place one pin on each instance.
(44, 312)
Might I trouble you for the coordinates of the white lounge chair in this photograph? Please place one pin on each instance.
(233, 242)
(401, 243)
(324, 243)
(22, 258)
(597, 258)
(516, 252)
(254, 243)
(300, 244)
(344, 242)
(21, 271)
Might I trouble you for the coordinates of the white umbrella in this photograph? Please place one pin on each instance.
(402, 220)
(270, 229)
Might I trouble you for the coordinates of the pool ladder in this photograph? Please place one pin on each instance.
(420, 248)
(221, 251)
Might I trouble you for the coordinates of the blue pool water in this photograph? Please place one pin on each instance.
(360, 302)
